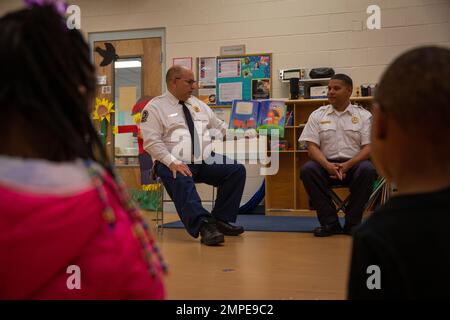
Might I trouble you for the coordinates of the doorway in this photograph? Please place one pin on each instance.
(129, 66)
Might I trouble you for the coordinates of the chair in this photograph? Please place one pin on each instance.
(160, 209)
(338, 201)
(160, 213)
(160, 189)
(382, 191)
(152, 184)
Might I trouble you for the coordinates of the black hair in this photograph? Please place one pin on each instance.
(415, 91)
(48, 82)
(343, 77)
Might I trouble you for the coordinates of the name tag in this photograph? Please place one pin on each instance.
(325, 122)
(173, 115)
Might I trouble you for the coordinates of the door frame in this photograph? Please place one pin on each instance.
(130, 174)
(130, 35)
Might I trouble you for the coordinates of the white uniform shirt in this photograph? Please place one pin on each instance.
(165, 132)
(340, 135)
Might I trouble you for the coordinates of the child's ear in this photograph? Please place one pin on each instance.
(379, 123)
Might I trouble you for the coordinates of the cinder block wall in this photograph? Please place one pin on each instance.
(299, 33)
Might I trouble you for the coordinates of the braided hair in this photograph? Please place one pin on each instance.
(47, 84)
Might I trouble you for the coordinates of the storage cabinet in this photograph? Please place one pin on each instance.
(285, 190)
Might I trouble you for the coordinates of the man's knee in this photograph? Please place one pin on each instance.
(366, 168)
(180, 180)
(240, 170)
(308, 169)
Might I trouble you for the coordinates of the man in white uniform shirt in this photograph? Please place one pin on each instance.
(173, 127)
(338, 141)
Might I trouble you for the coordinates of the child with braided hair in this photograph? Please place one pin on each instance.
(61, 204)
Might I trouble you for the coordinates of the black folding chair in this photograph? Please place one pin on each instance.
(338, 202)
(382, 191)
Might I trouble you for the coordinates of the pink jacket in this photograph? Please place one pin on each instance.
(50, 219)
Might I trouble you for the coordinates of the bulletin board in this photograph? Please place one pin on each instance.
(244, 77)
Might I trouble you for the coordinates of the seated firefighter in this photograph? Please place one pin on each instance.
(338, 141)
(174, 126)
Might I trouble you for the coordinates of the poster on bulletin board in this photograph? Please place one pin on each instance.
(243, 77)
(206, 71)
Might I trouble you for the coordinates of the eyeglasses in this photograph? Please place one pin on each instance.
(189, 82)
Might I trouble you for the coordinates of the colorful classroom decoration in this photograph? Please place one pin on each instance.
(103, 109)
(243, 77)
(263, 115)
(102, 113)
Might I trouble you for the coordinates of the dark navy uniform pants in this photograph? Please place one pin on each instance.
(229, 180)
(317, 183)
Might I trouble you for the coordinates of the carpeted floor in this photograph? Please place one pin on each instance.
(269, 223)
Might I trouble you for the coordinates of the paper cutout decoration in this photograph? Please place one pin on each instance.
(103, 109)
(109, 55)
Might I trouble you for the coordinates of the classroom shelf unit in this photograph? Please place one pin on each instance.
(285, 190)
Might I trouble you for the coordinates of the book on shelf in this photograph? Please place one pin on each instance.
(281, 145)
(262, 115)
(244, 114)
(290, 118)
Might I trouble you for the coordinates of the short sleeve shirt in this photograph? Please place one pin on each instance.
(339, 135)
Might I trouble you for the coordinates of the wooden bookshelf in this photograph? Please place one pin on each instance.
(285, 190)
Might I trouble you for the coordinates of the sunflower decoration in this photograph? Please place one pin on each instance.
(103, 109)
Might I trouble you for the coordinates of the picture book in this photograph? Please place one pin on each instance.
(289, 118)
(244, 114)
(260, 114)
(272, 115)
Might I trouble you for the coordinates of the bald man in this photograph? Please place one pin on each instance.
(176, 128)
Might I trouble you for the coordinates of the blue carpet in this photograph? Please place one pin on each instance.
(269, 223)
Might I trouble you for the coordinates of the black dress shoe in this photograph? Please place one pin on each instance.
(210, 235)
(328, 230)
(228, 229)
